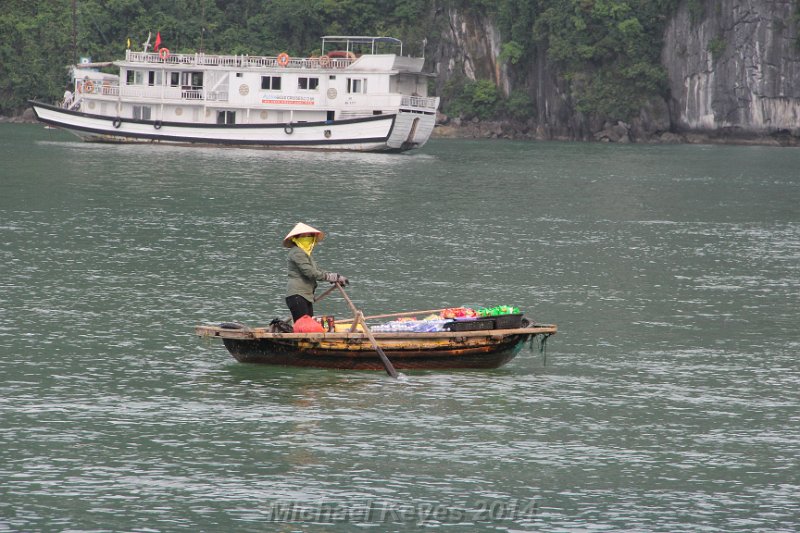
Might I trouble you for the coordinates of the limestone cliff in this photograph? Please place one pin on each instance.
(736, 69)
(733, 70)
(470, 47)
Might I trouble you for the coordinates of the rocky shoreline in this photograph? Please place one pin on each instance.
(26, 117)
(620, 132)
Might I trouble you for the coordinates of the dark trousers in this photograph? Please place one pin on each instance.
(299, 306)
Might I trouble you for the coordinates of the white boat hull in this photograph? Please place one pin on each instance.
(389, 132)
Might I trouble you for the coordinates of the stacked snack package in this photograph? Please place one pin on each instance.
(459, 312)
(416, 326)
(436, 322)
(498, 311)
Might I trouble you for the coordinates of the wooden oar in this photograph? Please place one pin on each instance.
(359, 317)
(324, 294)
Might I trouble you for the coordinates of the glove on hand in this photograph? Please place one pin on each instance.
(336, 278)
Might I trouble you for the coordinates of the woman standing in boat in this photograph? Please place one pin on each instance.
(303, 270)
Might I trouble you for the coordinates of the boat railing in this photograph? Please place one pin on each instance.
(191, 94)
(420, 101)
(109, 90)
(106, 88)
(237, 61)
(154, 92)
(217, 96)
(113, 89)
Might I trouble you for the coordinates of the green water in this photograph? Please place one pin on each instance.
(668, 401)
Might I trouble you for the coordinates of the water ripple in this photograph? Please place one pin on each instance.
(667, 402)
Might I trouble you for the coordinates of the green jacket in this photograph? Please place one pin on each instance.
(303, 274)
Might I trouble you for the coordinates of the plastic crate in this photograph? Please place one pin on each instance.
(508, 321)
(471, 325)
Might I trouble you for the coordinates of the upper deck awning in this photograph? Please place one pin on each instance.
(356, 43)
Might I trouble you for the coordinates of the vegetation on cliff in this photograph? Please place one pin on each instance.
(605, 51)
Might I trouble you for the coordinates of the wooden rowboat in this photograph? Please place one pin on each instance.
(354, 351)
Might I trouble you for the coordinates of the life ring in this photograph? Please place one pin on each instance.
(342, 54)
(324, 61)
(163, 53)
(117, 123)
(88, 86)
(157, 124)
(288, 129)
(283, 59)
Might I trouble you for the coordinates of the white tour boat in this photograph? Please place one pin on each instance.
(355, 96)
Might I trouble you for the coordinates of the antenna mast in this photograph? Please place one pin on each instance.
(202, 24)
(74, 32)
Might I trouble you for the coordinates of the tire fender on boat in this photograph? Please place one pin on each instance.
(283, 59)
(117, 122)
(163, 54)
(288, 129)
(157, 124)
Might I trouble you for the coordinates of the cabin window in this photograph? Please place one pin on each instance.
(154, 77)
(134, 77)
(356, 85)
(174, 79)
(307, 84)
(192, 80)
(141, 112)
(226, 117)
(271, 83)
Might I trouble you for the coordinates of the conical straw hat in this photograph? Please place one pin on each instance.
(300, 229)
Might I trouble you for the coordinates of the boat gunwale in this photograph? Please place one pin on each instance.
(162, 123)
(258, 333)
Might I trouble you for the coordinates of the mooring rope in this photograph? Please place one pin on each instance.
(542, 344)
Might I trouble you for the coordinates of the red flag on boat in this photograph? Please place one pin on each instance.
(158, 41)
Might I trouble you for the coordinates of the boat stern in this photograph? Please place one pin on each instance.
(414, 123)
